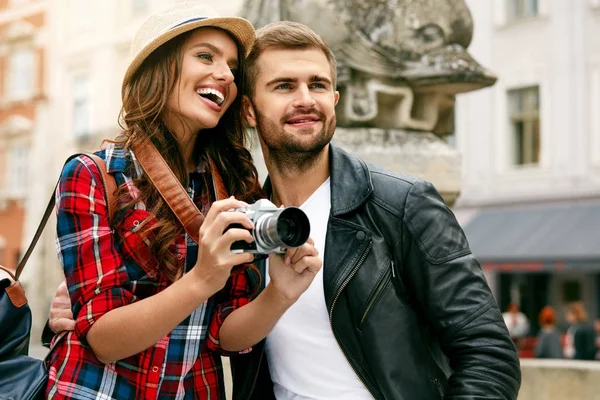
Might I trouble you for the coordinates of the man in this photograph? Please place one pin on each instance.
(400, 308)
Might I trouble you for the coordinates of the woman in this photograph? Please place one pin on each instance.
(149, 303)
(548, 340)
(580, 341)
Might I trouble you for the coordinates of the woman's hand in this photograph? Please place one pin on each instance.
(292, 273)
(215, 258)
(61, 316)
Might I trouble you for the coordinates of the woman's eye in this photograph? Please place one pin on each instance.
(205, 56)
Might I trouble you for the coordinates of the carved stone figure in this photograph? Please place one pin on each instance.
(400, 65)
(400, 62)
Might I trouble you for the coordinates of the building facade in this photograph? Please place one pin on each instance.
(530, 200)
(23, 103)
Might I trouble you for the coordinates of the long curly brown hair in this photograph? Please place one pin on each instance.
(144, 104)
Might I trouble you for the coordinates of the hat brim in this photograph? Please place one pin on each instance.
(239, 28)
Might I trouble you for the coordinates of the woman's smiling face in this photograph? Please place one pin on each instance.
(206, 87)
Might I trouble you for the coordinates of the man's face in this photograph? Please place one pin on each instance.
(293, 105)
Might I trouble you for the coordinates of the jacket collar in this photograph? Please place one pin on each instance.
(351, 183)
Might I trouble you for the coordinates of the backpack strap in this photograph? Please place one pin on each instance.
(171, 190)
(110, 187)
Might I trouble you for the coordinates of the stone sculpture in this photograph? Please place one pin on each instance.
(400, 65)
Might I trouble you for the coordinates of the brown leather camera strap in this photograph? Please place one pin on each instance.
(110, 197)
(171, 189)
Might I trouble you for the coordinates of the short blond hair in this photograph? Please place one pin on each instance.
(284, 35)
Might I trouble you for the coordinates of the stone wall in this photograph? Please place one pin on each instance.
(560, 380)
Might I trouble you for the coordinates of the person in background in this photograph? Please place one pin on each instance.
(548, 341)
(516, 322)
(580, 342)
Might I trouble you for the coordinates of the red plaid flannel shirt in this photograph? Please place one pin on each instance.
(106, 270)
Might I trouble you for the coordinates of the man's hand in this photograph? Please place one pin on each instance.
(292, 273)
(61, 316)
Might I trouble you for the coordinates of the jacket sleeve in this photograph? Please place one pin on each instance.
(452, 292)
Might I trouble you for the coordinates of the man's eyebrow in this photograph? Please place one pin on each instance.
(233, 62)
(281, 80)
(313, 78)
(320, 78)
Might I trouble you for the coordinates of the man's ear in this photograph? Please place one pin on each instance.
(336, 97)
(248, 111)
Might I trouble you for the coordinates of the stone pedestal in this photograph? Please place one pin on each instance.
(559, 380)
(410, 152)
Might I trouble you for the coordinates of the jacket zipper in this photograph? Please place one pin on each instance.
(439, 387)
(380, 289)
(337, 295)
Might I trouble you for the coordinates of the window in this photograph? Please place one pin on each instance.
(21, 74)
(524, 106)
(139, 7)
(81, 106)
(518, 9)
(17, 169)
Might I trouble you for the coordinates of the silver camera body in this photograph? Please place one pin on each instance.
(275, 229)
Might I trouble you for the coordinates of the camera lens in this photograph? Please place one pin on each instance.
(288, 227)
(293, 227)
(285, 230)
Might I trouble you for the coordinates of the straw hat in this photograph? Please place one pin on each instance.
(180, 18)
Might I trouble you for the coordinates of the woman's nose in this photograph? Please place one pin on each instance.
(224, 73)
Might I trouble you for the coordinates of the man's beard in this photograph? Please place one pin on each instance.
(285, 152)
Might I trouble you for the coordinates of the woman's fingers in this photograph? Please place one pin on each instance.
(220, 206)
(220, 217)
(61, 317)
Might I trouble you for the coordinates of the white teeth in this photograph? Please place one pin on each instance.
(219, 95)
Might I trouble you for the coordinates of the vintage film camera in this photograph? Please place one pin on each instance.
(275, 229)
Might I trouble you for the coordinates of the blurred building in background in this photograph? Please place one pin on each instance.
(530, 202)
(61, 66)
(23, 103)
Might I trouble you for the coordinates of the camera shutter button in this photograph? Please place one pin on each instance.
(360, 235)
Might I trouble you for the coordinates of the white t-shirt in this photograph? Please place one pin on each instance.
(304, 358)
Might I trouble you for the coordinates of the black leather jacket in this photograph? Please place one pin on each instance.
(408, 302)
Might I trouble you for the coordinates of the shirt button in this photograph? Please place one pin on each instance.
(136, 222)
(360, 235)
(179, 257)
(155, 369)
